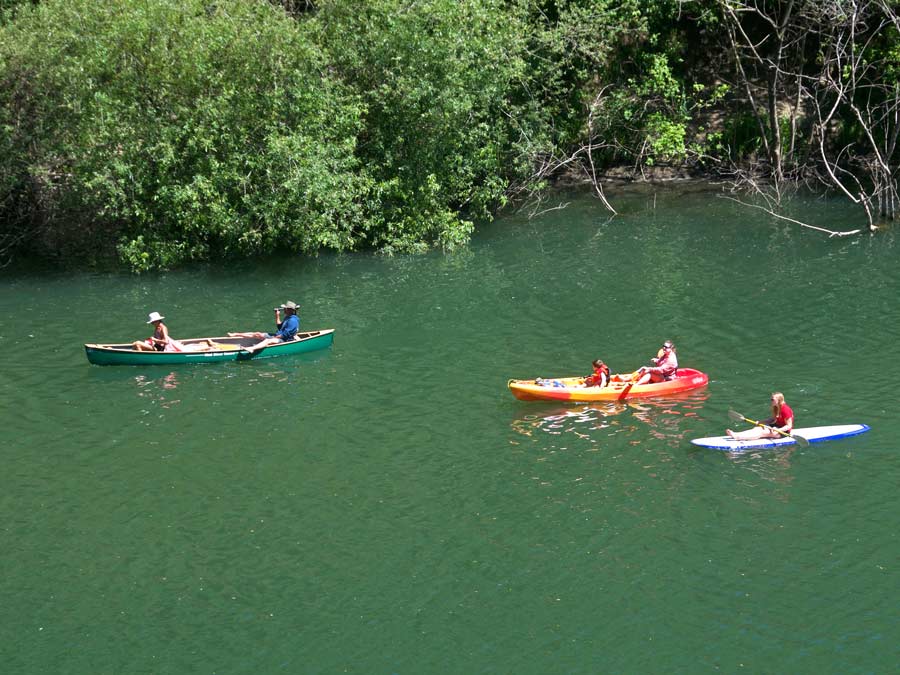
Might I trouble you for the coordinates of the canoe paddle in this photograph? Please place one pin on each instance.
(737, 417)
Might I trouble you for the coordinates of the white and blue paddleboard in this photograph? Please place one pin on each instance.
(812, 434)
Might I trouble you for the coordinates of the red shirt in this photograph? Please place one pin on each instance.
(784, 415)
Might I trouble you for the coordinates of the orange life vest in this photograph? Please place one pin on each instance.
(598, 377)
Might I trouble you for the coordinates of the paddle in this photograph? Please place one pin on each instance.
(737, 417)
(634, 377)
(624, 380)
(624, 388)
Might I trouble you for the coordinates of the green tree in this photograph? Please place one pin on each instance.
(615, 85)
(175, 130)
(436, 77)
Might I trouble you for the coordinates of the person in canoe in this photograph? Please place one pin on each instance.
(160, 338)
(286, 330)
(782, 420)
(600, 376)
(161, 341)
(665, 363)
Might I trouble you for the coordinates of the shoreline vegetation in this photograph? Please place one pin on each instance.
(156, 133)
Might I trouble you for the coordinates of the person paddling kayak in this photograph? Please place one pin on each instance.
(782, 420)
(664, 365)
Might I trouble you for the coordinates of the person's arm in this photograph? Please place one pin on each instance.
(287, 328)
(787, 426)
(165, 335)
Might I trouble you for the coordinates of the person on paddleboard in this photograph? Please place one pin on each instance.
(782, 420)
(665, 363)
(600, 376)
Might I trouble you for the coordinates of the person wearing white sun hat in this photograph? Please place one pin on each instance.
(160, 338)
(161, 341)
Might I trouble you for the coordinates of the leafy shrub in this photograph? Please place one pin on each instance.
(177, 130)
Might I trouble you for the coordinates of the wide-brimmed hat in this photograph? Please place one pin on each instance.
(290, 304)
(154, 316)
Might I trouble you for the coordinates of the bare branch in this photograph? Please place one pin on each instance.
(831, 233)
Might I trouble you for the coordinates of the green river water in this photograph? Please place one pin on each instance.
(386, 506)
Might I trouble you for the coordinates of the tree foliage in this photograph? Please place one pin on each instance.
(436, 79)
(177, 130)
(165, 131)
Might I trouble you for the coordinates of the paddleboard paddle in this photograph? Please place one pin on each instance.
(737, 417)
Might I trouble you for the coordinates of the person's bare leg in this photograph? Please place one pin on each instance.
(748, 435)
(263, 343)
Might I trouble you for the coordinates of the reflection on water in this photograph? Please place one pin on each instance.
(669, 419)
(158, 389)
(169, 381)
(666, 419)
(773, 464)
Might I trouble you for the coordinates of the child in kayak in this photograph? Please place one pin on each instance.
(600, 376)
(782, 420)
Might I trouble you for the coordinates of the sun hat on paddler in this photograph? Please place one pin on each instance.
(290, 304)
(154, 316)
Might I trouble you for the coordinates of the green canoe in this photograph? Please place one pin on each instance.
(227, 349)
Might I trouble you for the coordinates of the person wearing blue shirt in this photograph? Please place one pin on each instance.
(287, 329)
